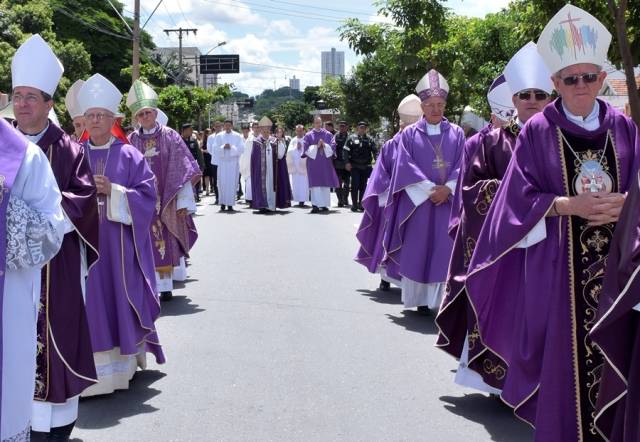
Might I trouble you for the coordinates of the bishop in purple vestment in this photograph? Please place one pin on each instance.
(65, 364)
(371, 230)
(528, 76)
(175, 170)
(270, 186)
(122, 301)
(319, 150)
(422, 184)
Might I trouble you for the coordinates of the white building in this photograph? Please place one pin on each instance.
(294, 83)
(332, 64)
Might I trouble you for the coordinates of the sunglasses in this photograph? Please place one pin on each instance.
(572, 80)
(538, 95)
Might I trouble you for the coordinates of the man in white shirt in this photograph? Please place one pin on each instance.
(228, 146)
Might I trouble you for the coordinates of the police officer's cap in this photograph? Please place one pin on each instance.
(363, 123)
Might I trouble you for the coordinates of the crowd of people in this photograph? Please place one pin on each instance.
(521, 238)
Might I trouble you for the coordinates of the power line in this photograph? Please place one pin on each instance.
(288, 10)
(303, 5)
(90, 25)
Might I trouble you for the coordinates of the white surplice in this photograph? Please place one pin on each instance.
(298, 171)
(36, 185)
(228, 165)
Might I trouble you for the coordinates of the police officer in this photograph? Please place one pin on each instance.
(343, 175)
(359, 152)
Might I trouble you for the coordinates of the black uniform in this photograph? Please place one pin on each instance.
(343, 174)
(359, 151)
(194, 148)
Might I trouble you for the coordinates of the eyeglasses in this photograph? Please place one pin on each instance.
(538, 95)
(29, 99)
(145, 113)
(98, 116)
(572, 80)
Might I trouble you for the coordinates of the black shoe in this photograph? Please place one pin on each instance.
(385, 286)
(315, 209)
(39, 436)
(340, 205)
(230, 209)
(263, 211)
(222, 208)
(354, 208)
(424, 310)
(360, 209)
(324, 209)
(216, 202)
(300, 204)
(166, 296)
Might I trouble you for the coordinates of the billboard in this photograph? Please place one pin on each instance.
(220, 64)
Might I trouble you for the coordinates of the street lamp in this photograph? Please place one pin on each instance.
(215, 76)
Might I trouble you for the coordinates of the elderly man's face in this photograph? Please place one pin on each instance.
(147, 118)
(78, 125)
(585, 81)
(317, 123)
(529, 102)
(433, 109)
(265, 131)
(99, 122)
(29, 108)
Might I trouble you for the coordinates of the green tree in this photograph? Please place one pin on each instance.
(291, 113)
(191, 104)
(310, 95)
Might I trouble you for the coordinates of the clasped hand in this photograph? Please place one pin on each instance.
(440, 195)
(598, 207)
(103, 185)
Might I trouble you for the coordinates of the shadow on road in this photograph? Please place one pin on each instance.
(107, 411)
(180, 306)
(495, 416)
(391, 297)
(415, 322)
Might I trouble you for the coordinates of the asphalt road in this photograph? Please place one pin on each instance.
(279, 335)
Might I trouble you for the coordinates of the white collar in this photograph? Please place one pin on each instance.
(519, 122)
(432, 129)
(150, 131)
(37, 137)
(104, 146)
(590, 123)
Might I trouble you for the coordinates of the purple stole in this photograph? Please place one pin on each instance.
(12, 150)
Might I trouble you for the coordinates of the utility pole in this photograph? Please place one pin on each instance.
(180, 31)
(135, 66)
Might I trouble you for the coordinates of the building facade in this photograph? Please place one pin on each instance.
(332, 64)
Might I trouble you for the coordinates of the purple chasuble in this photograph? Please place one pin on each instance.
(174, 167)
(66, 369)
(416, 238)
(371, 230)
(122, 301)
(617, 330)
(486, 165)
(13, 147)
(470, 147)
(281, 183)
(533, 310)
(320, 171)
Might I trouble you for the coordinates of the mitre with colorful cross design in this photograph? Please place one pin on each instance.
(573, 36)
(140, 97)
(433, 84)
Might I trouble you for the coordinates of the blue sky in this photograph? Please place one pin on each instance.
(267, 33)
